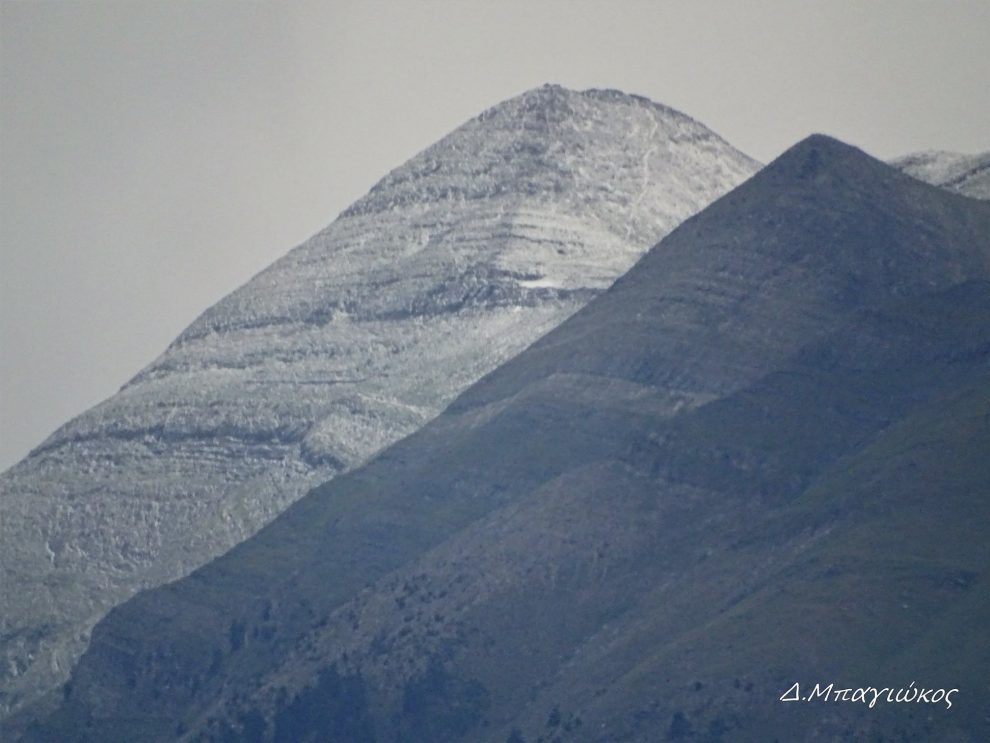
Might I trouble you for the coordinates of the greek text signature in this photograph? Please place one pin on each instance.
(870, 696)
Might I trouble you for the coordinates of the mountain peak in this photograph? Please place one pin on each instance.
(818, 152)
(824, 163)
(569, 103)
(454, 262)
(823, 159)
(553, 141)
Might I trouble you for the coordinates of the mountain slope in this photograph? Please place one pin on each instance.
(451, 264)
(561, 551)
(968, 175)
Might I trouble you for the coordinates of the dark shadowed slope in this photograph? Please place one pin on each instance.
(755, 460)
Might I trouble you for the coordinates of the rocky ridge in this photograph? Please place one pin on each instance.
(968, 175)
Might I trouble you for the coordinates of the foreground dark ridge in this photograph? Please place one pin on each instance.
(758, 459)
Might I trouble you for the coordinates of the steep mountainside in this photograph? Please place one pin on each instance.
(965, 174)
(450, 265)
(758, 459)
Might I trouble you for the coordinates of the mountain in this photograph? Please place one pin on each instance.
(452, 263)
(965, 174)
(757, 460)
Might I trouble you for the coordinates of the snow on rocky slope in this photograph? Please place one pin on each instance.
(451, 264)
(965, 174)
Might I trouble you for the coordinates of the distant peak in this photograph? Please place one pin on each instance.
(925, 157)
(928, 155)
(968, 175)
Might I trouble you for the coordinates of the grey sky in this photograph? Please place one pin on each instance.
(155, 155)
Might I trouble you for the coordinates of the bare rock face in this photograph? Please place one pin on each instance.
(968, 175)
(452, 263)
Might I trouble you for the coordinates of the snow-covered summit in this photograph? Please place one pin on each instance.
(965, 174)
(454, 262)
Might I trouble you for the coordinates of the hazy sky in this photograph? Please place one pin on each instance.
(155, 155)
